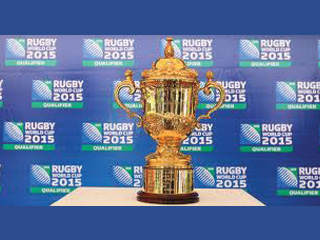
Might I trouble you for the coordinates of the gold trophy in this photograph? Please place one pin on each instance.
(169, 97)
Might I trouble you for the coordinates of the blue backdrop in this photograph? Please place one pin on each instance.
(60, 128)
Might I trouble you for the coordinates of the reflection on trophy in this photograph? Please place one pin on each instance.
(169, 97)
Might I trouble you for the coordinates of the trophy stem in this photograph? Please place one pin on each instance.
(168, 154)
(168, 146)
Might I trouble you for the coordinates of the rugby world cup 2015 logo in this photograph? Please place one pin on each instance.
(56, 179)
(266, 138)
(117, 52)
(206, 176)
(221, 177)
(31, 52)
(107, 136)
(57, 94)
(300, 95)
(265, 53)
(29, 136)
(298, 181)
(128, 176)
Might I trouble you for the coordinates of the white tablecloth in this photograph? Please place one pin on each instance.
(103, 196)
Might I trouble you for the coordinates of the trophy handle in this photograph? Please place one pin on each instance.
(127, 83)
(207, 90)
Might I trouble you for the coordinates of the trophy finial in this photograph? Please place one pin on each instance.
(210, 75)
(128, 74)
(169, 51)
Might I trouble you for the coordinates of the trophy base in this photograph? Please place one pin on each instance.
(168, 198)
(168, 185)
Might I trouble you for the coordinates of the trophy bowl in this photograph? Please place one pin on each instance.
(169, 97)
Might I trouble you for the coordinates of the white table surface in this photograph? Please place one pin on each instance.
(104, 196)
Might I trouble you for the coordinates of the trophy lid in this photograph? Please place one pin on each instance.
(170, 67)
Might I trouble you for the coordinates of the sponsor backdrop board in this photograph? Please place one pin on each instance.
(61, 129)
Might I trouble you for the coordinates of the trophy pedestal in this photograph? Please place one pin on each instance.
(168, 198)
(168, 185)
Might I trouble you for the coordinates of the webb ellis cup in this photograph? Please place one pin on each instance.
(169, 97)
